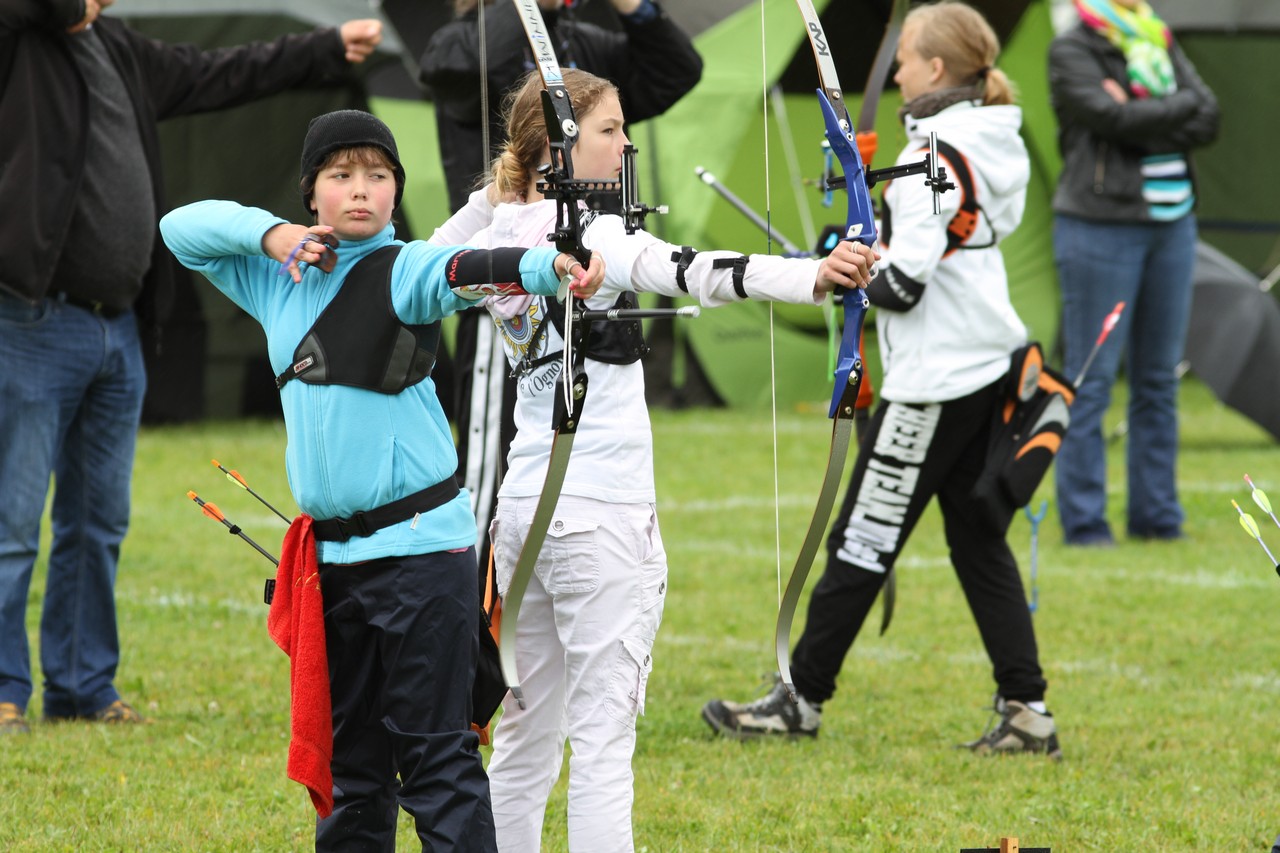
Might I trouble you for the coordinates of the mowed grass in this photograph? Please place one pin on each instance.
(1161, 660)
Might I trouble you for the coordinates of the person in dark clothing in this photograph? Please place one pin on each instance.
(652, 62)
(80, 269)
(1130, 110)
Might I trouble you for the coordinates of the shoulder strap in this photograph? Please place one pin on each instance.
(964, 224)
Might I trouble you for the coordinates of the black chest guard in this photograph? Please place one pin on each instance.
(614, 341)
(359, 341)
(611, 342)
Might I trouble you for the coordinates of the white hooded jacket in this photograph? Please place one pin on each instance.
(958, 336)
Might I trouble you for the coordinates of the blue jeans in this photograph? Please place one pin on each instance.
(71, 388)
(1149, 267)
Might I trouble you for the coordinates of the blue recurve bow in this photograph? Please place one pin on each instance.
(860, 226)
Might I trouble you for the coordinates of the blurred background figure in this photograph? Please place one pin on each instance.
(80, 271)
(1130, 109)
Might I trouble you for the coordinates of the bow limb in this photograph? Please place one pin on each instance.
(860, 226)
(885, 54)
(562, 131)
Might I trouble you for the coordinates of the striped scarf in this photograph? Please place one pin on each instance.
(1143, 38)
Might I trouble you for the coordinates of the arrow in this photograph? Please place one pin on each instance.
(1107, 325)
(1035, 518)
(235, 477)
(1260, 498)
(1251, 527)
(211, 510)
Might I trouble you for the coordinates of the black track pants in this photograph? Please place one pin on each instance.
(911, 453)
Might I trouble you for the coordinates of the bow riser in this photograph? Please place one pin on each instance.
(860, 227)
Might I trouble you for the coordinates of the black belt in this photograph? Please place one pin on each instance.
(368, 522)
(91, 305)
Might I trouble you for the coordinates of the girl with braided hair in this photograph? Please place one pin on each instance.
(591, 611)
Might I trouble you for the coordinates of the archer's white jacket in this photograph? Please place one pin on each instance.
(612, 457)
(960, 334)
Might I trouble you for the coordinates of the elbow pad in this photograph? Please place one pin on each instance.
(894, 291)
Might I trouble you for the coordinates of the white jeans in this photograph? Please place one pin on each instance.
(584, 653)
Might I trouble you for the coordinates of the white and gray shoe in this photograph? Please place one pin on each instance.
(774, 714)
(1020, 729)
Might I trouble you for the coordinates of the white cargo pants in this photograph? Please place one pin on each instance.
(584, 653)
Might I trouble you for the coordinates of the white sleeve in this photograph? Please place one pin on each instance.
(645, 264)
(459, 229)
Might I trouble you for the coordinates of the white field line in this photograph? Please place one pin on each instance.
(792, 499)
(191, 601)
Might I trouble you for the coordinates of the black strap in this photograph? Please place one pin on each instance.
(683, 259)
(91, 305)
(370, 521)
(739, 265)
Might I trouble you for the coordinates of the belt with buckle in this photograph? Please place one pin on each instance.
(91, 305)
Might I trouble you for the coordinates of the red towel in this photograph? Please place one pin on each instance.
(296, 623)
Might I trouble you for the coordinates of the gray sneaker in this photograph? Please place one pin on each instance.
(772, 714)
(1020, 730)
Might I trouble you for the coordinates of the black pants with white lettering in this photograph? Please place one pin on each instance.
(911, 453)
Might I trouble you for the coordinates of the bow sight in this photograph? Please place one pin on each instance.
(935, 174)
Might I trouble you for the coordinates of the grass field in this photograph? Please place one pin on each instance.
(1161, 660)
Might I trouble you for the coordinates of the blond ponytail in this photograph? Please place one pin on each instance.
(957, 34)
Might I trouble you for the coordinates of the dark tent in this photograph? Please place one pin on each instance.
(211, 358)
(719, 126)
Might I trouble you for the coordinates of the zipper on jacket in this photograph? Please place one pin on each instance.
(1100, 168)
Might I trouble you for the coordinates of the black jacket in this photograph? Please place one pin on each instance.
(653, 64)
(1102, 141)
(44, 113)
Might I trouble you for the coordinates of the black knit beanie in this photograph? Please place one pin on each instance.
(347, 129)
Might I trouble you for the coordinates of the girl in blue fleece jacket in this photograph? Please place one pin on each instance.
(370, 457)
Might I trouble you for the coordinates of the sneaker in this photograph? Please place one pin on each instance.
(1020, 730)
(12, 722)
(118, 711)
(773, 714)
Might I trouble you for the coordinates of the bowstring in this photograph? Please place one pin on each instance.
(773, 361)
(487, 156)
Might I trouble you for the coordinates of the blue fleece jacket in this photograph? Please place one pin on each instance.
(349, 449)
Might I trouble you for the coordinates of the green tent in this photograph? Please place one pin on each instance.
(720, 126)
